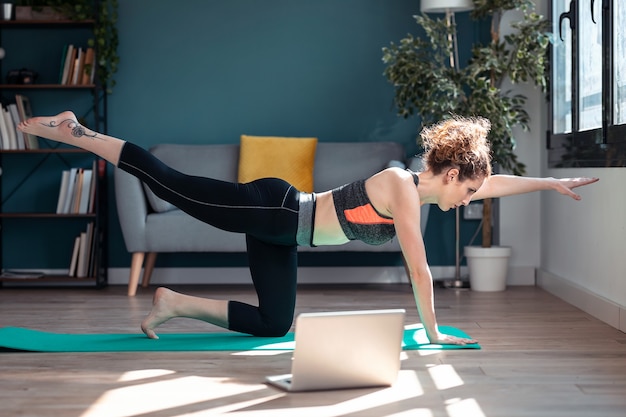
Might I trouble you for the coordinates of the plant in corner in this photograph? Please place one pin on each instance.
(426, 85)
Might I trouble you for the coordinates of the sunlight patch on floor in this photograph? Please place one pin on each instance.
(463, 408)
(236, 406)
(428, 352)
(406, 387)
(444, 376)
(143, 392)
(141, 399)
(415, 412)
(143, 374)
(260, 353)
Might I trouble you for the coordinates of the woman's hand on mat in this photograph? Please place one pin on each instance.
(447, 339)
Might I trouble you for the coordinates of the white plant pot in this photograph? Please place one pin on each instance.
(487, 267)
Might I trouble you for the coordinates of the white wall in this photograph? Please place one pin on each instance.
(520, 224)
(579, 247)
(584, 245)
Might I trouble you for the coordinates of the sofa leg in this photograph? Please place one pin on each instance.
(135, 270)
(148, 268)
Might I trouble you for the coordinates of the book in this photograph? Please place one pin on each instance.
(25, 112)
(63, 60)
(65, 177)
(68, 65)
(94, 253)
(92, 188)
(4, 135)
(9, 128)
(15, 117)
(71, 182)
(77, 72)
(89, 67)
(78, 188)
(85, 192)
(84, 253)
(74, 259)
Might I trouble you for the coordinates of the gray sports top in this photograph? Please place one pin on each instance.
(357, 216)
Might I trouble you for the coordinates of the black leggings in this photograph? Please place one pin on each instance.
(265, 210)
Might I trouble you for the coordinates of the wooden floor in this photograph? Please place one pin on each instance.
(540, 357)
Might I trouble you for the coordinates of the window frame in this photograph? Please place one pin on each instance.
(604, 146)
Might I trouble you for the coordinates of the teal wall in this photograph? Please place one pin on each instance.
(200, 71)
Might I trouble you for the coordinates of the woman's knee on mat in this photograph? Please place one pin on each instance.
(277, 327)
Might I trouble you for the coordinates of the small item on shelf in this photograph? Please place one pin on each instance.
(47, 13)
(8, 11)
(22, 76)
(23, 13)
(18, 274)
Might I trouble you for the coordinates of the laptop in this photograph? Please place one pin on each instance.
(339, 350)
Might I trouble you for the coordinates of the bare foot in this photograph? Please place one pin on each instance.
(162, 311)
(63, 127)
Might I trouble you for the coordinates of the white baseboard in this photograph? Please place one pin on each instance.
(599, 307)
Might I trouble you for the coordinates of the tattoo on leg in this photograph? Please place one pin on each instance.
(77, 129)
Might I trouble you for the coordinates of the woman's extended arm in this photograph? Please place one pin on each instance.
(505, 185)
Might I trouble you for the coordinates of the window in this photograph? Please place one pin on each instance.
(588, 84)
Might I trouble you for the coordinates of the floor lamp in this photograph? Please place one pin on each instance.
(449, 7)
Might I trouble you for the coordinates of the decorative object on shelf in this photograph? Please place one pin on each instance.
(23, 12)
(7, 11)
(47, 13)
(425, 84)
(22, 76)
(38, 10)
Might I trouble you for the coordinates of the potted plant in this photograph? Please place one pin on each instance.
(105, 40)
(426, 85)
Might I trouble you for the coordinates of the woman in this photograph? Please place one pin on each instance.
(276, 218)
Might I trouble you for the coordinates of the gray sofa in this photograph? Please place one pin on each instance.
(151, 225)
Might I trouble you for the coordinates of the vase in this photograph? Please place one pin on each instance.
(487, 267)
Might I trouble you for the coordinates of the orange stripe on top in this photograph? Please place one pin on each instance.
(365, 215)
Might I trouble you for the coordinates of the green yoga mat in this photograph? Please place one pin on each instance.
(27, 340)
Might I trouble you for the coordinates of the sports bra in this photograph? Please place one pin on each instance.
(357, 216)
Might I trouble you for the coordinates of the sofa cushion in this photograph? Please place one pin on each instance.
(291, 159)
(176, 231)
(338, 163)
(214, 161)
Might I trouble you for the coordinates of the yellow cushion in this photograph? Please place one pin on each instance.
(291, 159)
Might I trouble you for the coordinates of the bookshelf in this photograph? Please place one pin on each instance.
(30, 177)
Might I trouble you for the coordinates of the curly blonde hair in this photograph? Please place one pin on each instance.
(458, 142)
